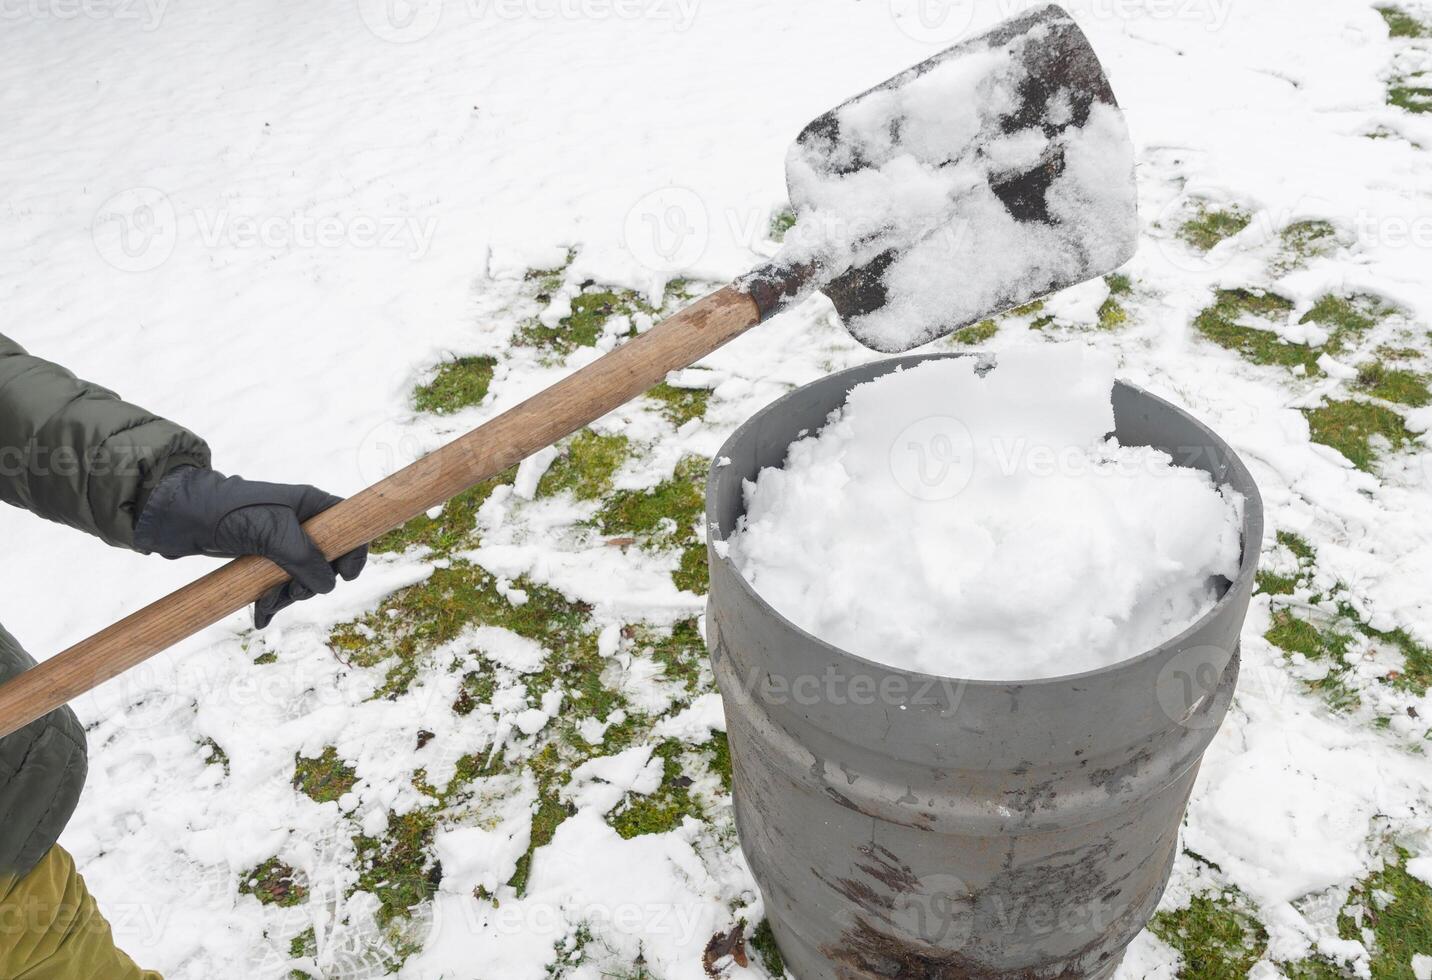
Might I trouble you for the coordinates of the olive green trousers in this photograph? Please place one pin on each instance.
(51, 929)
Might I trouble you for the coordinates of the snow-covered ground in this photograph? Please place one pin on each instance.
(271, 221)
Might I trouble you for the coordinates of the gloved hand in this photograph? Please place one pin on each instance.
(195, 511)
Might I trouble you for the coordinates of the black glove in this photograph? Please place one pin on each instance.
(194, 511)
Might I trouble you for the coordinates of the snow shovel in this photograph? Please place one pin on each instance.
(989, 175)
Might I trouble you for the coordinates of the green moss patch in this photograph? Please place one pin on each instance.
(681, 652)
(1226, 323)
(1112, 314)
(1416, 673)
(1356, 429)
(976, 333)
(324, 779)
(274, 883)
(1304, 240)
(303, 946)
(1217, 937)
(397, 867)
(412, 621)
(214, 754)
(763, 941)
(1209, 226)
(1410, 95)
(781, 222)
(458, 384)
(721, 759)
(1273, 583)
(1398, 909)
(1232, 322)
(680, 405)
(591, 310)
(1402, 24)
(586, 466)
(649, 513)
(1346, 317)
(664, 809)
(451, 529)
(1393, 384)
(1328, 645)
(665, 516)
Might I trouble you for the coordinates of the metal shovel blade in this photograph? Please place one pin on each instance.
(995, 172)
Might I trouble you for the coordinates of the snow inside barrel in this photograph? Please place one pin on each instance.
(986, 781)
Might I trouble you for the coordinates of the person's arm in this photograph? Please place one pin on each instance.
(73, 452)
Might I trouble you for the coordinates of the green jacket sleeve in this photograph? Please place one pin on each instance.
(73, 452)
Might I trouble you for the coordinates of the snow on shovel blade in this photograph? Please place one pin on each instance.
(994, 173)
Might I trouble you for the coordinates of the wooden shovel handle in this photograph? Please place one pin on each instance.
(541, 420)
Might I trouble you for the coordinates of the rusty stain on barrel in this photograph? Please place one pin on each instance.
(966, 829)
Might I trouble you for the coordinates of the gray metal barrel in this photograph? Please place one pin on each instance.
(906, 825)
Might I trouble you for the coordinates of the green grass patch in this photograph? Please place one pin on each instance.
(693, 574)
(1304, 240)
(1402, 24)
(305, 944)
(1112, 314)
(781, 222)
(1225, 323)
(398, 867)
(681, 651)
(1209, 226)
(1346, 317)
(664, 809)
(1356, 429)
(680, 405)
(1217, 937)
(458, 384)
(582, 327)
(1409, 97)
(721, 759)
(976, 333)
(1273, 583)
(649, 513)
(274, 883)
(1416, 673)
(1398, 909)
(214, 754)
(1231, 322)
(666, 516)
(1393, 384)
(1325, 646)
(586, 467)
(453, 527)
(325, 778)
(763, 941)
(412, 621)
(1297, 545)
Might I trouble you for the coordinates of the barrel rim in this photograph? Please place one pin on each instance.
(1252, 534)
